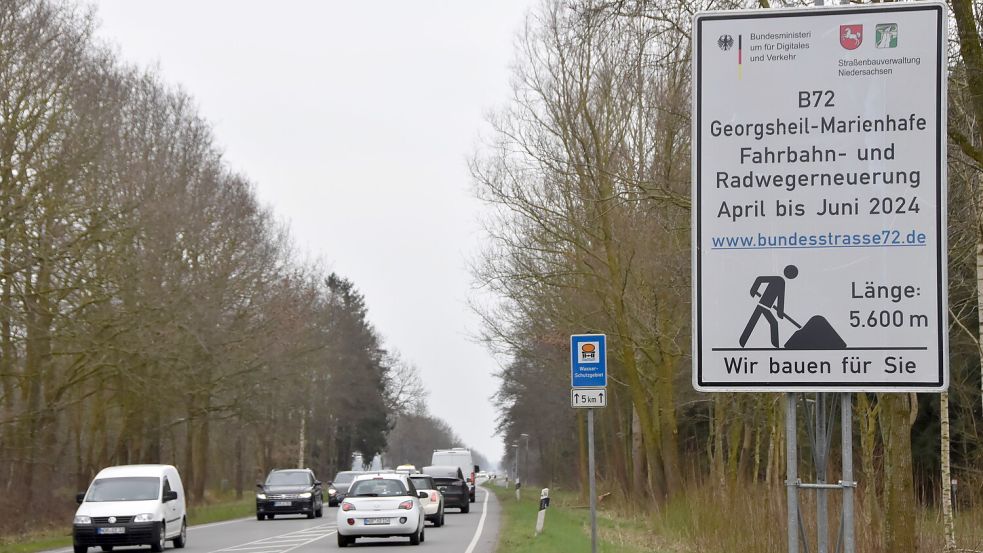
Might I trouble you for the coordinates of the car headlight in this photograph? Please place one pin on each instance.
(304, 495)
(82, 519)
(261, 496)
(332, 491)
(143, 517)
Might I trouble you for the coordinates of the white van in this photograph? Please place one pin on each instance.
(458, 457)
(132, 505)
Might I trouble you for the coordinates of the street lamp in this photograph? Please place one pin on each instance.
(515, 460)
(515, 464)
(525, 460)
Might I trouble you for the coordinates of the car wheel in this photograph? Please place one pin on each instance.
(182, 539)
(423, 535)
(440, 517)
(260, 516)
(80, 548)
(415, 537)
(319, 511)
(466, 508)
(161, 539)
(345, 541)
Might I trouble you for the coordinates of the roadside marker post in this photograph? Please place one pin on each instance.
(819, 218)
(588, 390)
(544, 502)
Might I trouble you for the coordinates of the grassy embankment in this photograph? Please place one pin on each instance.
(567, 528)
(749, 519)
(226, 508)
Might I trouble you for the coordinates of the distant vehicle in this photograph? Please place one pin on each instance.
(452, 485)
(381, 506)
(339, 486)
(461, 458)
(132, 505)
(408, 469)
(289, 492)
(433, 504)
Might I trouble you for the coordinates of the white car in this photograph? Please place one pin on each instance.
(132, 505)
(381, 506)
(433, 504)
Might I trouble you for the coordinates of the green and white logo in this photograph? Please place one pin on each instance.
(886, 35)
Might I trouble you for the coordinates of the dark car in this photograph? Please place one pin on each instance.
(338, 489)
(451, 483)
(289, 492)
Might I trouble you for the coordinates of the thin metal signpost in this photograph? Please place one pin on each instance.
(590, 477)
(588, 390)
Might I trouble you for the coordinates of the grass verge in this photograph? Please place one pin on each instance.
(226, 509)
(567, 527)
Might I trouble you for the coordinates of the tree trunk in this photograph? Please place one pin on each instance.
(201, 460)
(637, 451)
(239, 469)
(899, 487)
(668, 428)
(302, 440)
(867, 415)
(947, 522)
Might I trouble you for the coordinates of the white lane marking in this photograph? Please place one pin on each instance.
(481, 524)
(284, 542)
(312, 541)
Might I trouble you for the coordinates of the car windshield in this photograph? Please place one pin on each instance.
(124, 489)
(422, 482)
(377, 488)
(344, 478)
(288, 479)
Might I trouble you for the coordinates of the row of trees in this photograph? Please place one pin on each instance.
(588, 176)
(150, 309)
(416, 434)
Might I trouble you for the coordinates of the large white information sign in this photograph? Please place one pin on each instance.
(819, 199)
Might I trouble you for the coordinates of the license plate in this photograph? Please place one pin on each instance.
(281, 503)
(111, 530)
(369, 521)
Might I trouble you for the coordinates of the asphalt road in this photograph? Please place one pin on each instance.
(475, 532)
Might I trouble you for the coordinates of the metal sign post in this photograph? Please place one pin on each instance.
(590, 478)
(819, 218)
(588, 382)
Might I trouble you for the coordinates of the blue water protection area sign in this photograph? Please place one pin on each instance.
(588, 361)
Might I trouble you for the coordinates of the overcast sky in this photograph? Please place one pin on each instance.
(355, 121)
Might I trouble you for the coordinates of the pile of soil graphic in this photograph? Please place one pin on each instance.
(815, 334)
